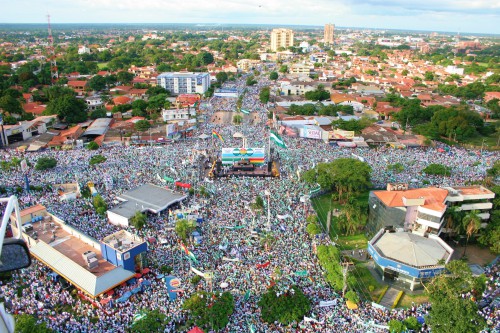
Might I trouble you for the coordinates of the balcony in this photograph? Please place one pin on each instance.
(477, 206)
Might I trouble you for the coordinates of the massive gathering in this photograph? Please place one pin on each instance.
(31, 291)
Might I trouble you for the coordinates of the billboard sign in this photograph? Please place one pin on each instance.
(232, 155)
(311, 133)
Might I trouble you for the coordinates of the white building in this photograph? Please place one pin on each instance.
(184, 82)
(281, 38)
(83, 50)
(178, 114)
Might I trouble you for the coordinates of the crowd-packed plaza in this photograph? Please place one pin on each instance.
(228, 206)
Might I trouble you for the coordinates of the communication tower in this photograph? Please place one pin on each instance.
(54, 75)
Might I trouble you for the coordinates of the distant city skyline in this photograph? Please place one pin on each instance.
(481, 16)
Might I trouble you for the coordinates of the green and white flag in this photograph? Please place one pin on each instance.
(277, 139)
(245, 111)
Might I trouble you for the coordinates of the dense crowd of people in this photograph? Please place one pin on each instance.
(229, 248)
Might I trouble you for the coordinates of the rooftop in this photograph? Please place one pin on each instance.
(434, 197)
(412, 249)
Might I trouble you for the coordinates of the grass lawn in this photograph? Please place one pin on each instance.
(322, 205)
(489, 141)
(407, 299)
(366, 281)
(101, 65)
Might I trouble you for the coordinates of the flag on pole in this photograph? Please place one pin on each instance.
(217, 135)
(277, 139)
(245, 111)
(185, 248)
(192, 257)
(247, 296)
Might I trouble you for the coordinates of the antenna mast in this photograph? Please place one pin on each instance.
(54, 75)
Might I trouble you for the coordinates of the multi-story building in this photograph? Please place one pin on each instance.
(246, 65)
(422, 211)
(281, 38)
(184, 82)
(329, 36)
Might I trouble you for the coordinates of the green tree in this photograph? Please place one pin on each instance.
(412, 324)
(450, 312)
(67, 108)
(124, 77)
(273, 76)
(153, 321)
(209, 310)
(284, 307)
(251, 80)
(329, 259)
(237, 119)
(429, 76)
(396, 326)
(44, 163)
(26, 323)
(352, 296)
(490, 236)
(283, 69)
(92, 145)
(347, 176)
(471, 223)
(437, 169)
(97, 159)
(221, 77)
(267, 240)
(319, 94)
(264, 94)
(142, 125)
(100, 205)
(184, 228)
(11, 105)
(138, 221)
(97, 83)
(98, 113)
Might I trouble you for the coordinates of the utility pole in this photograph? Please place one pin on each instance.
(482, 144)
(345, 269)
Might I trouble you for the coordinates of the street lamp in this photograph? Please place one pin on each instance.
(268, 194)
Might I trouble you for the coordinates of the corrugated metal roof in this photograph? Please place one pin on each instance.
(78, 275)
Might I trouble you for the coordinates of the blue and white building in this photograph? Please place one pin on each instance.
(407, 257)
(184, 82)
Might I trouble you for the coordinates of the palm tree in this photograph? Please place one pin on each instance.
(267, 240)
(471, 224)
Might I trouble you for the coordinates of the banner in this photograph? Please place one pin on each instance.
(183, 185)
(307, 319)
(200, 273)
(282, 217)
(264, 265)
(323, 304)
(302, 273)
(310, 133)
(229, 259)
(247, 296)
(168, 179)
(171, 129)
(254, 155)
(172, 283)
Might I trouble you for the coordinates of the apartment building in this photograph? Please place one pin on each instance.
(184, 82)
(328, 37)
(422, 211)
(281, 38)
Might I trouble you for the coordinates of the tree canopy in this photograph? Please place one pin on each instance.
(138, 221)
(284, 306)
(209, 310)
(345, 175)
(44, 163)
(451, 312)
(68, 108)
(152, 321)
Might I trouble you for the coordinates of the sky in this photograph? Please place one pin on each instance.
(472, 16)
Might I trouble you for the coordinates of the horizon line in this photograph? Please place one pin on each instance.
(213, 24)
